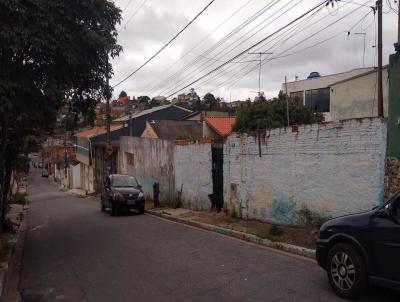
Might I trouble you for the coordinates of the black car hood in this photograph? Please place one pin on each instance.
(125, 190)
(359, 219)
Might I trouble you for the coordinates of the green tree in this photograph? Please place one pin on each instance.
(50, 50)
(209, 101)
(123, 94)
(273, 114)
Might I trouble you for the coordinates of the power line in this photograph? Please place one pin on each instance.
(239, 42)
(235, 79)
(282, 38)
(162, 48)
(133, 15)
(298, 43)
(219, 43)
(251, 47)
(127, 5)
(260, 48)
(196, 45)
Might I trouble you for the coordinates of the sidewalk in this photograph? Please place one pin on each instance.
(296, 240)
(11, 253)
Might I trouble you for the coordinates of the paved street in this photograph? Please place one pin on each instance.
(73, 252)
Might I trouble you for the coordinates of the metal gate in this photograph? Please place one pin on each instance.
(218, 175)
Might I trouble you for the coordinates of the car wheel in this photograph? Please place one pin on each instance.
(346, 271)
(141, 209)
(103, 208)
(113, 211)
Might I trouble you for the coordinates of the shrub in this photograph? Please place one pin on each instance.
(275, 231)
(309, 218)
(18, 198)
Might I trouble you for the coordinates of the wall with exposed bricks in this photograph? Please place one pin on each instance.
(331, 169)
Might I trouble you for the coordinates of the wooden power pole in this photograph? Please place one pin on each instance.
(108, 121)
(397, 45)
(380, 88)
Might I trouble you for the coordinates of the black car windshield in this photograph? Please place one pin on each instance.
(123, 181)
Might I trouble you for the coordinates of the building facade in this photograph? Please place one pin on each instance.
(333, 95)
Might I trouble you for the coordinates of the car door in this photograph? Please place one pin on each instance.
(385, 236)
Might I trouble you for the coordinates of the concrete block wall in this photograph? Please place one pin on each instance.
(332, 170)
(193, 179)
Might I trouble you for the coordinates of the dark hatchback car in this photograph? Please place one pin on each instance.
(122, 193)
(360, 249)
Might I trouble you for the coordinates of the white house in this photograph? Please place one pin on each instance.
(341, 96)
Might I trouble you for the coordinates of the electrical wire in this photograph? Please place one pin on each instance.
(167, 69)
(127, 5)
(251, 47)
(181, 72)
(239, 42)
(264, 62)
(166, 45)
(133, 15)
(282, 38)
(304, 49)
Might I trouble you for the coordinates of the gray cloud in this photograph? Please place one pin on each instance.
(159, 20)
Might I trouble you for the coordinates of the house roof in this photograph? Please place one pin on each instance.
(149, 111)
(221, 124)
(172, 130)
(96, 131)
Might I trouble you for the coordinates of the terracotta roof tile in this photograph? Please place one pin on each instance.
(221, 124)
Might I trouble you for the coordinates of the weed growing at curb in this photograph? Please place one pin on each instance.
(275, 231)
(18, 198)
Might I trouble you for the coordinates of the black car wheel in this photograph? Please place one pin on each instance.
(141, 209)
(346, 271)
(114, 210)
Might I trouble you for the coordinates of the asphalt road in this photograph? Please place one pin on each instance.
(73, 252)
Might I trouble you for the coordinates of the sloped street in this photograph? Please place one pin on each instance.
(73, 252)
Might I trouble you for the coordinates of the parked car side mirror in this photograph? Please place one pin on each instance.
(384, 212)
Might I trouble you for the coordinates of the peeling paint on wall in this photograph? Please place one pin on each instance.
(332, 169)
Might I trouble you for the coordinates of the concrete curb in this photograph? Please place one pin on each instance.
(7, 267)
(286, 247)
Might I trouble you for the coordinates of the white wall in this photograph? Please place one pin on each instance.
(357, 98)
(332, 169)
(193, 178)
(76, 176)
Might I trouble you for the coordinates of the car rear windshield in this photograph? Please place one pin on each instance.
(124, 181)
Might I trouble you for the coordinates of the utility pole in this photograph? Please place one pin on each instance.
(397, 45)
(380, 88)
(287, 103)
(364, 36)
(65, 158)
(108, 120)
(259, 71)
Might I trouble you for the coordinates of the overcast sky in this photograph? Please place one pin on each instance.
(319, 42)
